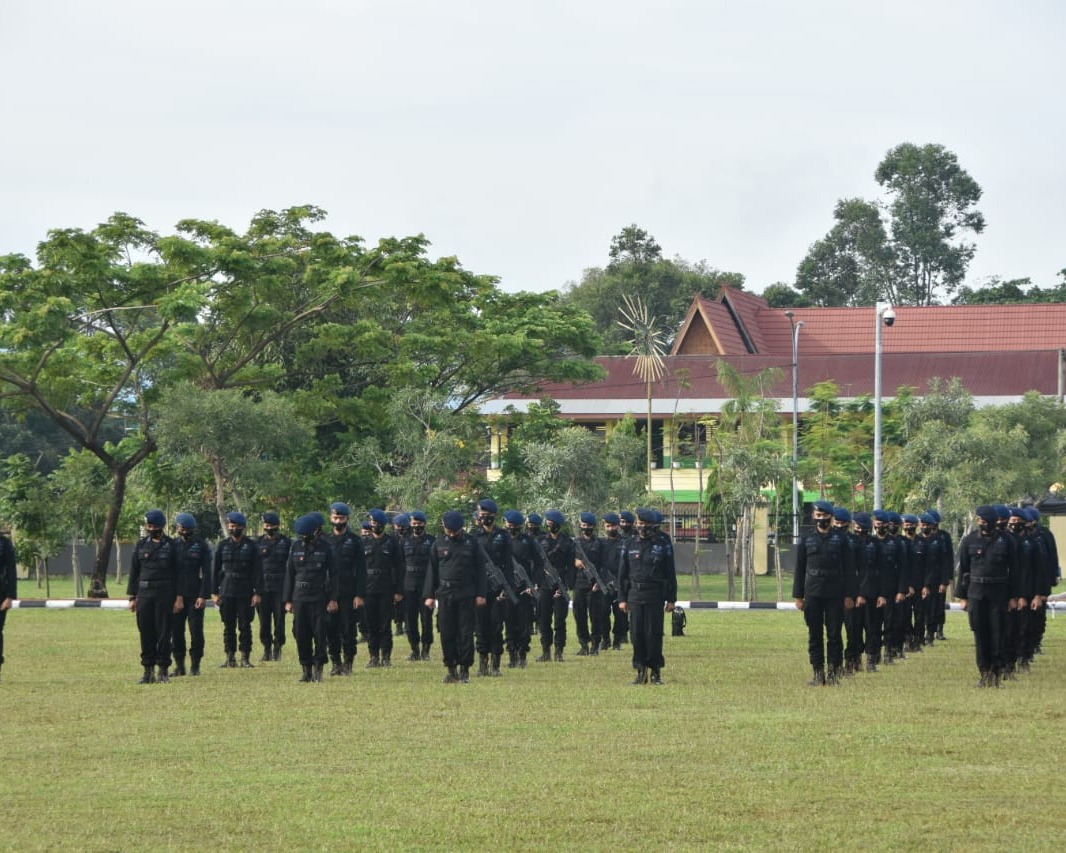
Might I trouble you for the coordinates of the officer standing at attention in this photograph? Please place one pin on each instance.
(492, 617)
(8, 585)
(417, 617)
(347, 560)
(238, 577)
(153, 593)
(379, 585)
(552, 605)
(611, 556)
(824, 586)
(588, 597)
(520, 616)
(274, 551)
(457, 581)
(310, 592)
(647, 585)
(194, 586)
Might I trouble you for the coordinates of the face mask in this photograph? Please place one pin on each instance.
(270, 531)
(1017, 526)
(310, 538)
(184, 532)
(339, 525)
(156, 533)
(553, 527)
(823, 523)
(514, 531)
(645, 531)
(488, 520)
(587, 532)
(377, 528)
(418, 529)
(612, 532)
(236, 532)
(881, 532)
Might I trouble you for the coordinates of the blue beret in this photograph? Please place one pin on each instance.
(418, 515)
(935, 514)
(894, 517)
(555, 516)
(186, 520)
(1001, 511)
(1018, 512)
(155, 516)
(341, 508)
(862, 519)
(488, 505)
(626, 515)
(927, 518)
(513, 516)
(453, 520)
(823, 506)
(364, 525)
(307, 524)
(611, 518)
(881, 515)
(647, 515)
(987, 513)
(841, 513)
(319, 517)
(271, 518)
(237, 518)
(401, 519)
(378, 516)
(1033, 513)
(588, 518)
(910, 518)
(535, 519)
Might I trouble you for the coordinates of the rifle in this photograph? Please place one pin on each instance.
(497, 575)
(521, 575)
(590, 567)
(549, 570)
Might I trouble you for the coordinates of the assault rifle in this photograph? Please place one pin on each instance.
(521, 575)
(497, 575)
(549, 570)
(590, 567)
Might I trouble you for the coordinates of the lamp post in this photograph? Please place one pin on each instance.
(885, 314)
(796, 326)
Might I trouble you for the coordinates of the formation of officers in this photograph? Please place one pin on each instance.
(876, 584)
(491, 587)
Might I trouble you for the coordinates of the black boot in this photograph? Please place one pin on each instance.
(195, 668)
(425, 651)
(268, 654)
(833, 676)
(871, 663)
(179, 667)
(940, 633)
(512, 659)
(316, 673)
(346, 666)
(306, 677)
(164, 675)
(374, 661)
(338, 667)
(656, 676)
(415, 654)
(494, 666)
(386, 659)
(558, 654)
(642, 676)
(522, 663)
(819, 678)
(545, 655)
(594, 647)
(483, 665)
(452, 677)
(464, 674)
(583, 652)
(148, 677)
(230, 662)
(277, 651)
(246, 662)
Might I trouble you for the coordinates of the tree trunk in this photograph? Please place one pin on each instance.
(98, 586)
(75, 568)
(118, 561)
(730, 568)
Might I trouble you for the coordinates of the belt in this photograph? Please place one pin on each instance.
(647, 585)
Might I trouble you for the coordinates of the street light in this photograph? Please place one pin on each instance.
(886, 314)
(796, 326)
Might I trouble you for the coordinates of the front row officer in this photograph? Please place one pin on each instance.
(647, 586)
(153, 592)
(311, 591)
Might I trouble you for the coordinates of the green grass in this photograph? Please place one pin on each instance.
(735, 752)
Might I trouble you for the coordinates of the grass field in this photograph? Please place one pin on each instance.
(734, 752)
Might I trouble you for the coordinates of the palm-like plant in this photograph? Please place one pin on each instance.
(647, 345)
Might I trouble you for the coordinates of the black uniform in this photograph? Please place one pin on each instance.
(492, 617)
(377, 581)
(456, 577)
(892, 587)
(417, 617)
(855, 619)
(153, 584)
(194, 582)
(343, 632)
(551, 607)
(620, 631)
(987, 568)
(520, 616)
(647, 580)
(311, 582)
(824, 577)
(590, 605)
(274, 552)
(238, 578)
(8, 583)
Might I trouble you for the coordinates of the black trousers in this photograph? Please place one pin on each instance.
(824, 618)
(153, 623)
(875, 618)
(3, 619)
(854, 628)
(378, 609)
(341, 630)
(195, 620)
(621, 625)
(988, 621)
(455, 617)
(582, 611)
(236, 619)
(646, 620)
(551, 608)
(310, 623)
(271, 618)
(489, 626)
(418, 620)
(520, 624)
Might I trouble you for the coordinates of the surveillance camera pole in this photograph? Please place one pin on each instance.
(882, 307)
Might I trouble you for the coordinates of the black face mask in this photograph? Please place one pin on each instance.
(1017, 526)
(377, 529)
(339, 525)
(418, 529)
(272, 532)
(588, 532)
(553, 527)
(488, 520)
(646, 531)
(823, 523)
(985, 527)
(311, 537)
(157, 533)
(514, 531)
(185, 533)
(612, 532)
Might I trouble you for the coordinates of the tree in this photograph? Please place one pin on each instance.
(1014, 291)
(931, 205)
(647, 349)
(781, 295)
(634, 245)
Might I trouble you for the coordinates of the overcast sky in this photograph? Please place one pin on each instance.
(521, 137)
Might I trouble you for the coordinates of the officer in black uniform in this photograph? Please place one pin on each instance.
(8, 585)
(520, 616)
(929, 558)
(892, 584)
(378, 585)
(347, 561)
(588, 597)
(194, 586)
(418, 618)
(457, 581)
(551, 603)
(274, 551)
(647, 585)
(310, 591)
(626, 532)
(1049, 577)
(947, 550)
(824, 586)
(401, 529)
(238, 577)
(153, 594)
(853, 618)
(610, 560)
(492, 618)
(987, 568)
